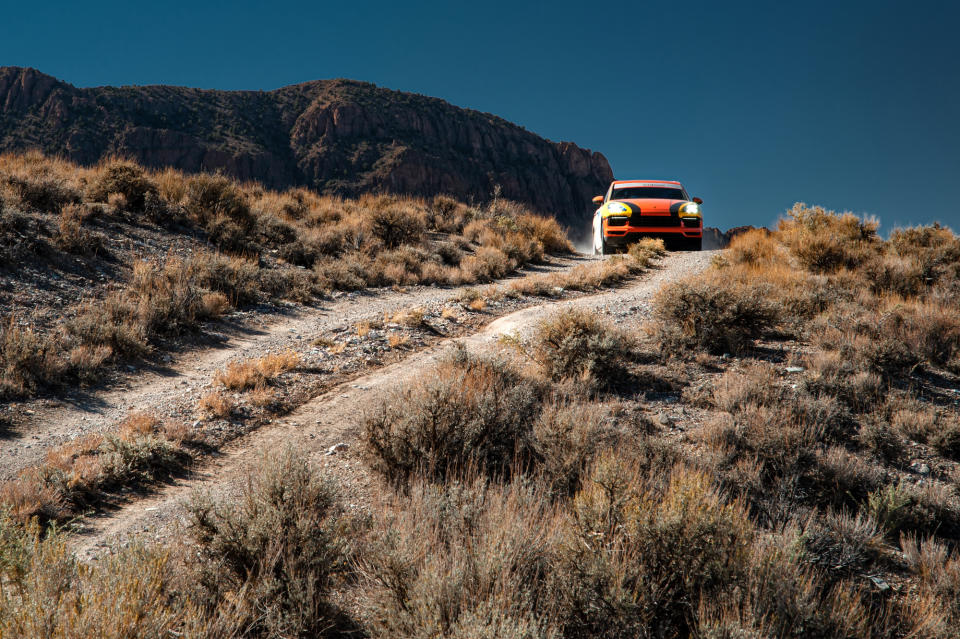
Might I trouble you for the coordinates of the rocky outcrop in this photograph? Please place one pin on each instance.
(337, 136)
(714, 238)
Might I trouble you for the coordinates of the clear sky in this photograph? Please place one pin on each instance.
(753, 105)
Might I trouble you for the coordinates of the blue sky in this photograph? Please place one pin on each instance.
(753, 105)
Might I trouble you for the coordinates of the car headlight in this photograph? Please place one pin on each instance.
(616, 207)
(692, 208)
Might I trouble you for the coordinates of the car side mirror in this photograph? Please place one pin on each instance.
(598, 199)
(698, 200)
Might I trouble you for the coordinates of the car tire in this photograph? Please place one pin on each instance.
(694, 244)
(599, 243)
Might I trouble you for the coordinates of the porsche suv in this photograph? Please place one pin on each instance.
(632, 209)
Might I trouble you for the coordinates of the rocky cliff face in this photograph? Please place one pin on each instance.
(337, 136)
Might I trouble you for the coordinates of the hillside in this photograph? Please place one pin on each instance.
(758, 442)
(335, 136)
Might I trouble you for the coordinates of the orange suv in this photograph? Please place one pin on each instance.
(632, 209)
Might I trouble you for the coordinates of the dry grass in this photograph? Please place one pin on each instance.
(217, 405)
(241, 376)
(50, 206)
(84, 470)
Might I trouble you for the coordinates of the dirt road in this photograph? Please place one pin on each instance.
(326, 420)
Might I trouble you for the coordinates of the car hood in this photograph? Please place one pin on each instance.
(653, 207)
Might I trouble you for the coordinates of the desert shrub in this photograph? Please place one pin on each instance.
(713, 314)
(347, 273)
(40, 192)
(883, 441)
(48, 592)
(235, 277)
(843, 479)
(71, 236)
(123, 177)
(276, 552)
(646, 250)
(112, 323)
(547, 231)
(946, 440)
(472, 413)
(782, 597)
(215, 202)
(27, 360)
(638, 559)
(567, 437)
(575, 344)
(835, 373)
(485, 265)
(398, 223)
(464, 560)
(257, 372)
(756, 247)
(824, 242)
(449, 215)
(843, 544)
(168, 299)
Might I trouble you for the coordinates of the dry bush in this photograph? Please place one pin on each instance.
(757, 384)
(124, 177)
(463, 560)
(71, 236)
(712, 313)
(235, 277)
(568, 436)
(270, 559)
(547, 232)
(346, 273)
(220, 207)
(398, 223)
(575, 344)
(252, 373)
(833, 373)
(216, 404)
(843, 545)
(49, 593)
(638, 559)
(485, 265)
(646, 251)
(39, 191)
(824, 242)
(28, 361)
(472, 413)
(784, 598)
(111, 323)
(756, 247)
(138, 425)
(449, 215)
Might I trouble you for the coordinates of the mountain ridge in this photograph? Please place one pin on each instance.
(339, 136)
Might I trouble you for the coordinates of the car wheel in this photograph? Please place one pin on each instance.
(695, 244)
(599, 243)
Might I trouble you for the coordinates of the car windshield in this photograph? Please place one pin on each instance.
(648, 193)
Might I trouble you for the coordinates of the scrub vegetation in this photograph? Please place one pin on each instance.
(809, 488)
(138, 259)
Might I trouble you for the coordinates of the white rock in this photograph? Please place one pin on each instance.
(336, 448)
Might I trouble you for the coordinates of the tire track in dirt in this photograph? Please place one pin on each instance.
(159, 390)
(333, 417)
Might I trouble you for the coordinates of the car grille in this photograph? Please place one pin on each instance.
(691, 222)
(654, 220)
